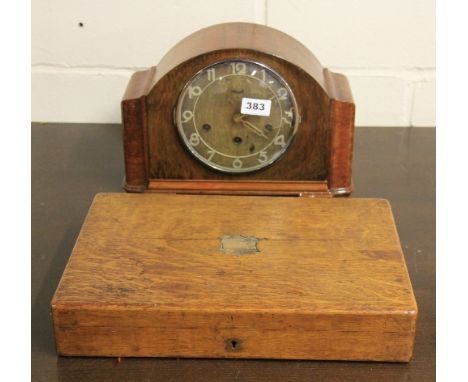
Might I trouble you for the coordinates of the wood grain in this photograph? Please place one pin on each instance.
(147, 277)
(321, 150)
(243, 36)
(341, 135)
(135, 133)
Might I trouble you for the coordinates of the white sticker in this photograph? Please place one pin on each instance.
(252, 106)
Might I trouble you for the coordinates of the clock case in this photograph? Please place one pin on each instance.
(318, 161)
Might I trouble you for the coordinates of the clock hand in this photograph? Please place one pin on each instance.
(254, 128)
(238, 118)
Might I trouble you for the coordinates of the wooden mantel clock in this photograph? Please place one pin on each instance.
(239, 108)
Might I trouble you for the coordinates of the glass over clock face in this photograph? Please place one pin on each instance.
(237, 116)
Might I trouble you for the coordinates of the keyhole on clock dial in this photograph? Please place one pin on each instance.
(237, 140)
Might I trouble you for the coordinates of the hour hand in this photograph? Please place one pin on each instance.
(254, 128)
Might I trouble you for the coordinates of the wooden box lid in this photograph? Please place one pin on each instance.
(237, 277)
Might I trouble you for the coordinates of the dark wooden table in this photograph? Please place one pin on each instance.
(71, 163)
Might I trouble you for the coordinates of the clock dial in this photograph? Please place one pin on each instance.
(237, 116)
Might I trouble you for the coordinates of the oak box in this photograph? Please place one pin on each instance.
(236, 277)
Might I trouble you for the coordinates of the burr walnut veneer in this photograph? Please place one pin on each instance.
(236, 277)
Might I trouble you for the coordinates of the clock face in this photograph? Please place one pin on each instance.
(237, 116)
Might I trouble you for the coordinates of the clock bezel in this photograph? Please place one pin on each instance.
(277, 157)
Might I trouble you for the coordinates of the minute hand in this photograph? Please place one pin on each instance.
(254, 128)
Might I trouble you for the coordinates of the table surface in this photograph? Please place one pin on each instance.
(73, 162)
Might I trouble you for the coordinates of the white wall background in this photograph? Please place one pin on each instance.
(385, 47)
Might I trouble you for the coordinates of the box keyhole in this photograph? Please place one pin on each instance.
(233, 345)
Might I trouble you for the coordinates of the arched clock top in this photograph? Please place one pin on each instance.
(243, 36)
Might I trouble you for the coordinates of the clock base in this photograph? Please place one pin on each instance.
(311, 188)
(229, 277)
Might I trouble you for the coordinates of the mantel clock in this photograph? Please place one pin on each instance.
(239, 108)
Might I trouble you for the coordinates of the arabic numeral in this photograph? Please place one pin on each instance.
(238, 68)
(237, 163)
(211, 74)
(194, 139)
(262, 157)
(194, 91)
(187, 115)
(279, 140)
(285, 120)
(282, 93)
(210, 154)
